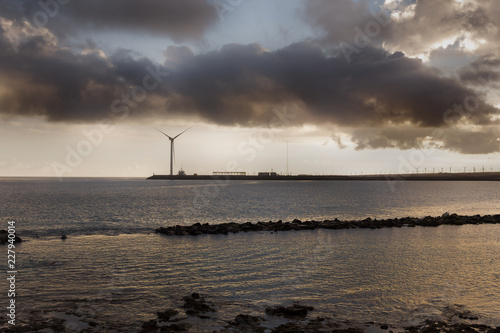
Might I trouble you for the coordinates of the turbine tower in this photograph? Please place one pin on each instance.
(172, 148)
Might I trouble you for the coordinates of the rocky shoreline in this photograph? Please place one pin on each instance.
(200, 313)
(226, 228)
(299, 318)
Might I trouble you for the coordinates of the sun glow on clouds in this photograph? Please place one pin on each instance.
(462, 42)
(400, 15)
(18, 33)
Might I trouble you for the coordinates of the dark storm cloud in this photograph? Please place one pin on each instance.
(482, 72)
(178, 19)
(42, 79)
(375, 89)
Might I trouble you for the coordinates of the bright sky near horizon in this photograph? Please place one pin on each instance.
(352, 85)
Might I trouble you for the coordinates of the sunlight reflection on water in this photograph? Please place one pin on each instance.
(398, 275)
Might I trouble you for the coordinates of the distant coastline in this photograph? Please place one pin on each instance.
(479, 176)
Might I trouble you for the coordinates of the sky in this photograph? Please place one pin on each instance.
(291, 86)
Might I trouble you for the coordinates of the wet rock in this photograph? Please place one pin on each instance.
(149, 326)
(439, 326)
(247, 323)
(166, 315)
(4, 238)
(197, 305)
(184, 327)
(348, 330)
(289, 328)
(292, 312)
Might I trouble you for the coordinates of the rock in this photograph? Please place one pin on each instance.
(4, 238)
(247, 320)
(63, 237)
(368, 223)
(176, 328)
(292, 312)
(348, 330)
(247, 323)
(384, 327)
(289, 328)
(149, 326)
(166, 315)
(196, 305)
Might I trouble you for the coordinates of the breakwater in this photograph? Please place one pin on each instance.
(226, 228)
(478, 176)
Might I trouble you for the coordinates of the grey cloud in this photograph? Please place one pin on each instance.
(473, 142)
(425, 23)
(462, 141)
(376, 88)
(178, 19)
(402, 137)
(337, 19)
(434, 21)
(482, 72)
(338, 141)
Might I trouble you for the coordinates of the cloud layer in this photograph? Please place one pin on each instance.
(380, 97)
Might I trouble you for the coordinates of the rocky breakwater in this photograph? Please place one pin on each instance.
(226, 228)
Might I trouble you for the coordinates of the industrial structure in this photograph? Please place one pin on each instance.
(172, 154)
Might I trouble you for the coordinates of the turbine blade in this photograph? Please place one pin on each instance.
(168, 136)
(181, 133)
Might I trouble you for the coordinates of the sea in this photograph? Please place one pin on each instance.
(113, 272)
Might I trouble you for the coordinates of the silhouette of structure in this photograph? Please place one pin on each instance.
(172, 154)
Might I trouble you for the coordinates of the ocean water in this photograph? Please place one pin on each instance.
(113, 206)
(113, 270)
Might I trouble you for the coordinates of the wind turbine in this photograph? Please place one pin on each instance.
(172, 148)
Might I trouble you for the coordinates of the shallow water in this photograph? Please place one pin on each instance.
(400, 276)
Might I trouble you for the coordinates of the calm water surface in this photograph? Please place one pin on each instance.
(119, 275)
(96, 206)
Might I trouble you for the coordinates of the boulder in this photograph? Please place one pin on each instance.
(4, 237)
(196, 305)
(166, 315)
(292, 312)
(247, 323)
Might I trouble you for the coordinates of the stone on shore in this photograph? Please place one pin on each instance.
(196, 305)
(291, 312)
(4, 238)
(247, 323)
